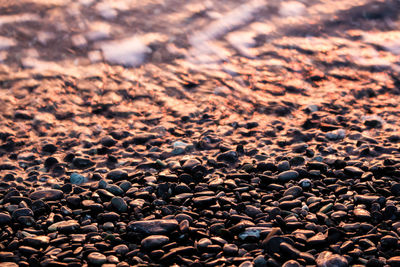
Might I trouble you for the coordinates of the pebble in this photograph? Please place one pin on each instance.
(153, 227)
(121, 249)
(353, 171)
(288, 176)
(48, 194)
(328, 259)
(97, 258)
(230, 249)
(76, 178)
(293, 191)
(4, 218)
(362, 214)
(117, 175)
(154, 241)
(229, 156)
(119, 204)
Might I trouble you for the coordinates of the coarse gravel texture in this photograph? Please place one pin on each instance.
(284, 153)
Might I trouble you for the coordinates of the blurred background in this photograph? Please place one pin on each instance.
(54, 34)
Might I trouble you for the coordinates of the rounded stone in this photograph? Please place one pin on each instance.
(119, 204)
(97, 258)
(154, 241)
(288, 176)
(76, 178)
(4, 218)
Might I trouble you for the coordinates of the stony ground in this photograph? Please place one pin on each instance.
(219, 134)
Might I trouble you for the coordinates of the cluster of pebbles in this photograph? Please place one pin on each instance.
(289, 158)
(196, 200)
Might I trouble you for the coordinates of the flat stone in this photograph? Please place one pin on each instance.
(288, 176)
(82, 163)
(22, 212)
(153, 227)
(204, 201)
(96, 258)
(154, 241)
(119, 204)
(117, 175)
(76, 178)
(362, 214)
(26, 250)
(48, 194)
(253, 232)
(64, 226)
(4, 218)
(365, 199)
(121, 249)
(37, 241)
(230, 249)
(294, 191)
(394, 261)
(353, 171)
(328, 259)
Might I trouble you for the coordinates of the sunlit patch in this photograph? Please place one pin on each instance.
(18, 18)
(292, 9)
(202, 41)
(242, 41)
(99, 30)
(388, 40)
(130, 51)
(44, 37)
(6, 42)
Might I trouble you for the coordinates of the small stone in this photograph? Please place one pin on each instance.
(117, 175)
(4, 218)
(37, 241)
(328, 259)
(48, 194)
(336, 134)
(76, 178)
(204, 201)
(389, 241)
(121, 249)
(190, 164)
(365, 199)
(283, 166)
(362, 214)
(294, 191)
(353, 171)
(230, 249)
(252, 211)
(246, 264)
(395, 189)
(119, 204)
(64, 226)
(203, 243)
(260, 261)
(291, 263)
(288, 176)
(115, 189)
(252, 232)
(25, 250)
(82, 163)
(394, 261)
(22, 212)
(154, 241)
(305, 183)
(229, 156)
(153, 227)
(49, 148)
(97, 258)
